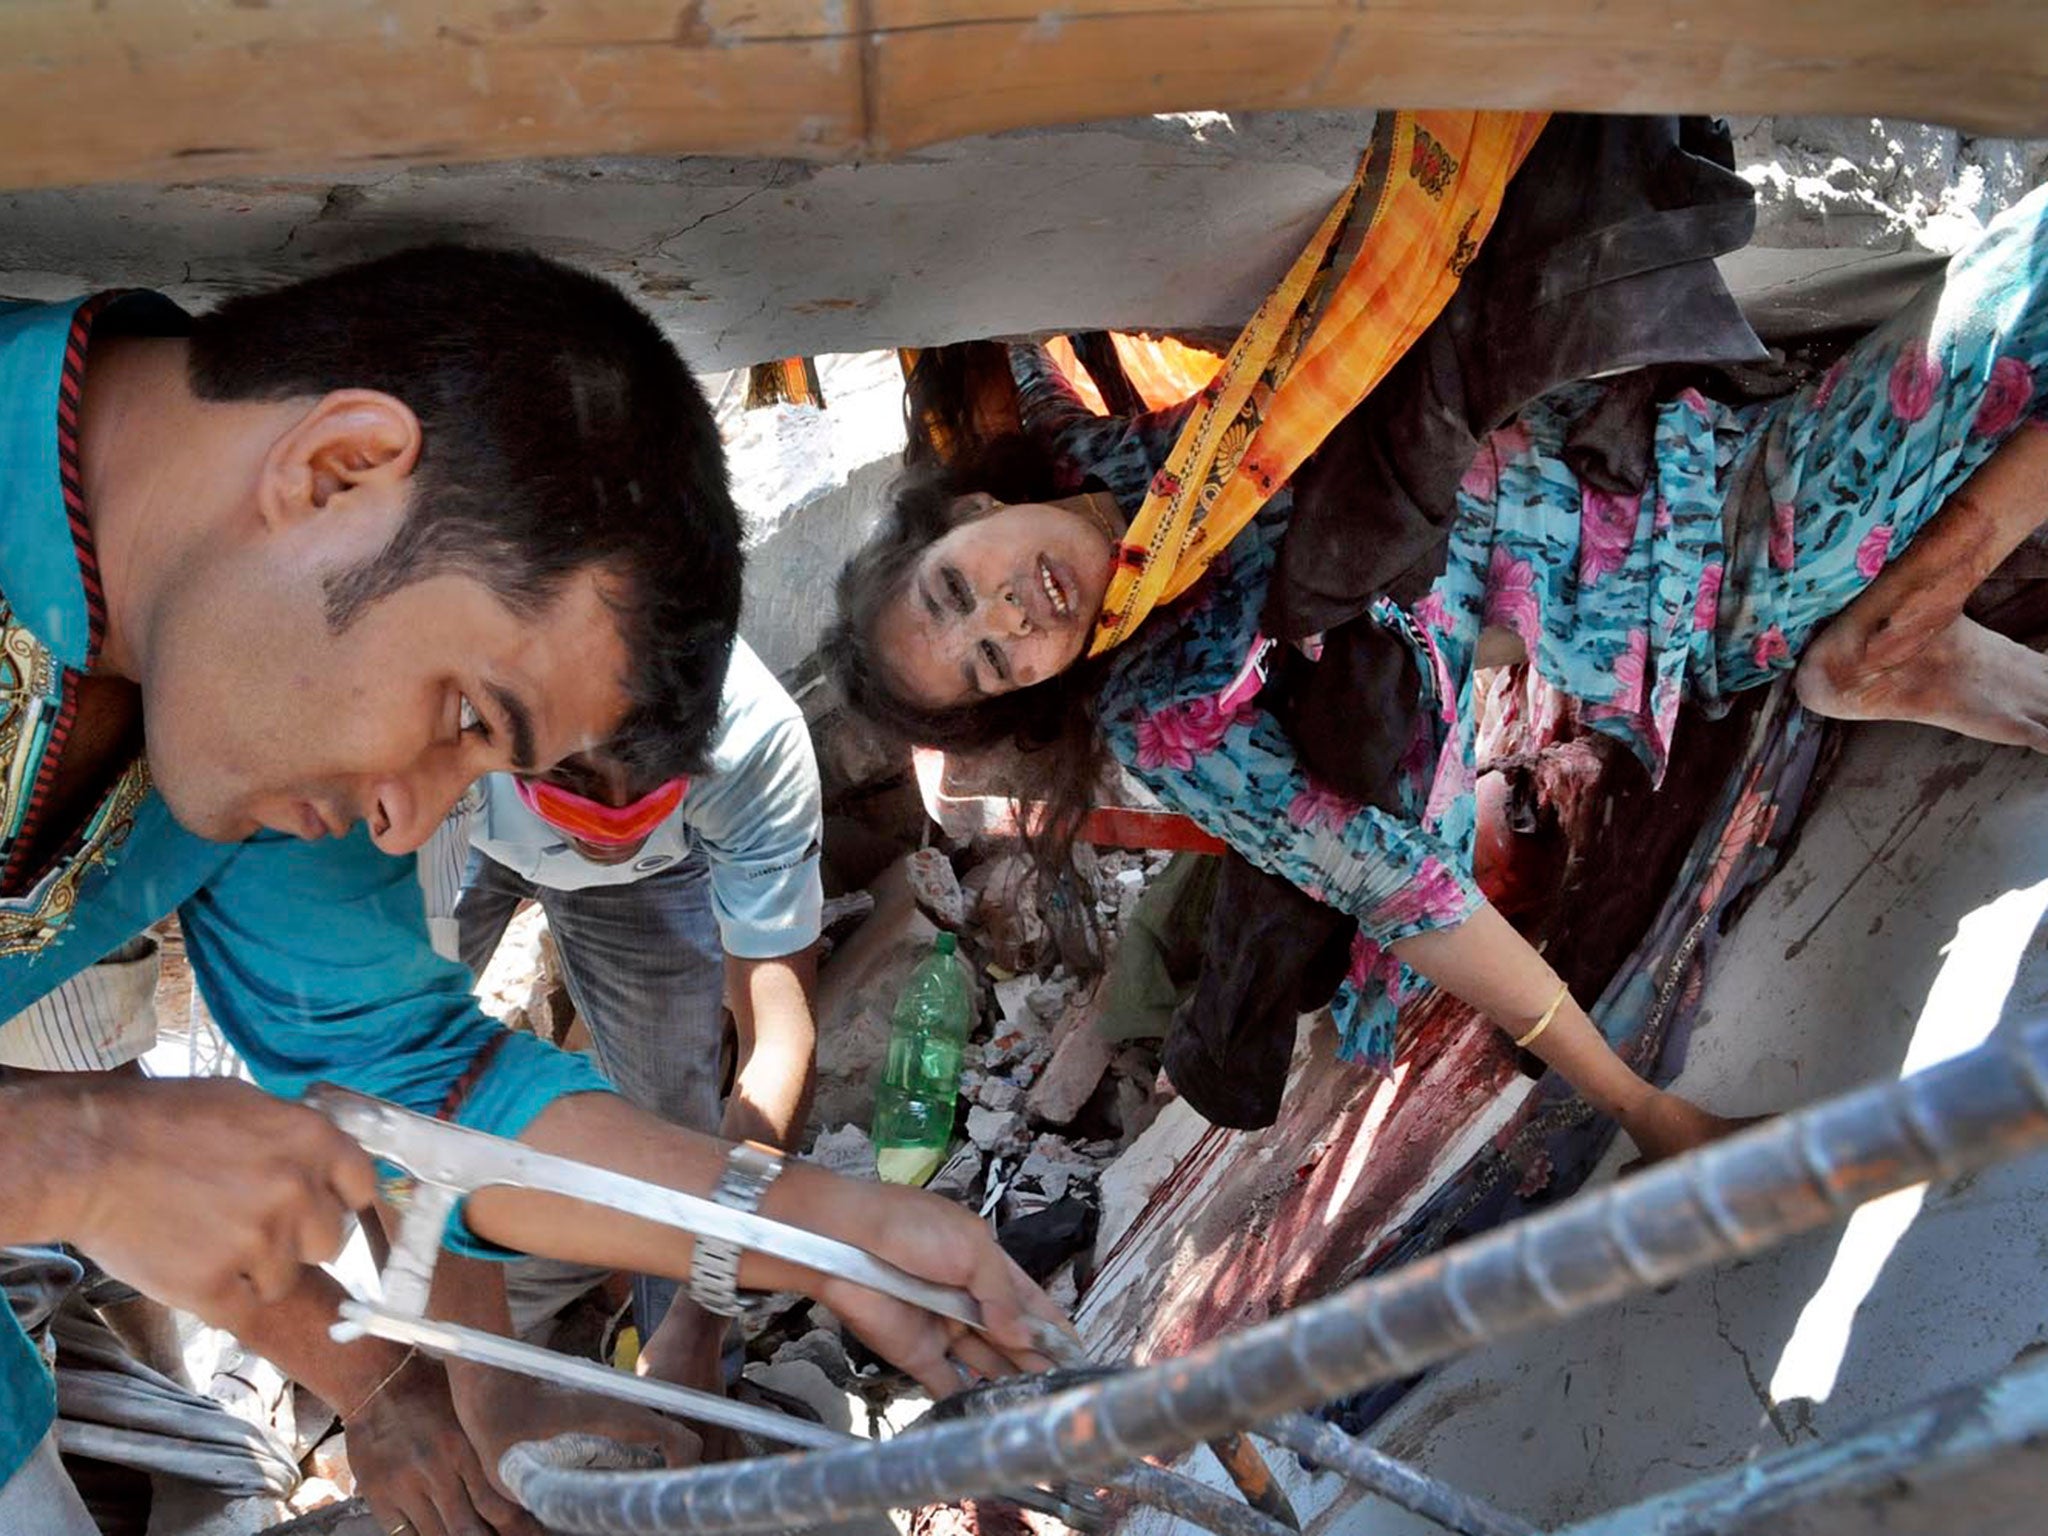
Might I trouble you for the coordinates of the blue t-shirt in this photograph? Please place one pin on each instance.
(313, 957)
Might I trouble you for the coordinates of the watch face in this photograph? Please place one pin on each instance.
(759, 1162)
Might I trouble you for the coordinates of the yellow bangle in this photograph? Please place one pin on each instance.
(1549, 1013)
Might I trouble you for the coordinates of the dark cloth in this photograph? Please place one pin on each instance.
(1272, 953)
(1097, 352)
(1160, 954)
(1601, 259)
(1612, 447)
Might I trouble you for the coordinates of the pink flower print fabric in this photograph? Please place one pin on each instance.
(1607, 532)
(1511, 595)
(1706, 606)
(1315, 808)
(1433, 897)
(1174, 737)
(1915, 382)
(1784, 546)
(2006, 398)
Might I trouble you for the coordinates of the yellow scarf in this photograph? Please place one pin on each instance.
(1377, 272)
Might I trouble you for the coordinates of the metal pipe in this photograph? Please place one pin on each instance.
(1186, 1499)
(454, 1341)
(1329, 1447)
(1722, 1201)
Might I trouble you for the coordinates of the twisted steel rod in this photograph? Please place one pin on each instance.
(1722, 1201)
(1330, 1448)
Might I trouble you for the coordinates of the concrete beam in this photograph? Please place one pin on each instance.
(165, 90)
(1178, 223)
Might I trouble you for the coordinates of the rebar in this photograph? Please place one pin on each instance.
(1329, 1447)
(1722, 1201)
(1186, 1499)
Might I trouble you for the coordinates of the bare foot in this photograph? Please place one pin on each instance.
(1963, 678)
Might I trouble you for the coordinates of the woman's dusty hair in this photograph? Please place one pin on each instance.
(1053, 721)
(957, 400)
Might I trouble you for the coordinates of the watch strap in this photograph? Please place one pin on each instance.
(750, 1169)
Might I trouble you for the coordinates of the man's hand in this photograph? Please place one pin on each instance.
(773, 1013)
(500, 1410)
(915, 1231)
(414, 1463)
(939, 1241)
(207, 1194)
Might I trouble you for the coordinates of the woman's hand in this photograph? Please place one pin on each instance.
(1664, 1125)
(1484, 962)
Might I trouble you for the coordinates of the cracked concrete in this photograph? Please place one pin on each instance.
(1756, 1383)
(1178, 222)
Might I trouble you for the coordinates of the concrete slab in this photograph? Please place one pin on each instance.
(1904, 927)
(1181, 221)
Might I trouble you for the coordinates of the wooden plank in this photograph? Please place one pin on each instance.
(946, 67)
(159, 90)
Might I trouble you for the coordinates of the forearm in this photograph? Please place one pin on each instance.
(39, 1199)
(1485, 963)
(471, 1292)
(770, 1104)
(605, 1130)
(292, 1335)
(772, 1009)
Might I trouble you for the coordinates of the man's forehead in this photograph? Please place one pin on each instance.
(567, 670)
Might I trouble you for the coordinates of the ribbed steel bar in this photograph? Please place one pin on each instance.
(1186, 1499)
(1723, 1201)
(1329, 1447)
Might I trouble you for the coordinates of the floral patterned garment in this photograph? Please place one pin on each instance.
(1173, 715)
(1759, 524)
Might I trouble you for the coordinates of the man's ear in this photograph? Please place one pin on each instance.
(359, 443)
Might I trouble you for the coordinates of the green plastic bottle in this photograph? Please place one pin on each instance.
(921, 1077)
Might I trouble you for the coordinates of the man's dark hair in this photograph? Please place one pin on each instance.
(560, 431)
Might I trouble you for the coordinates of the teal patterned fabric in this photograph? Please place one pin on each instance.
(1759, 523)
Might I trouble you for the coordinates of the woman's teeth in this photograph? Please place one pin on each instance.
(1053, 594)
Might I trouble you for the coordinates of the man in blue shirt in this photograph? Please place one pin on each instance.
(323, 557)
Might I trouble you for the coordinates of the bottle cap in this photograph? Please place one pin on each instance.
(945, 944)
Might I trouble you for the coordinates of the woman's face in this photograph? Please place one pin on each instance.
(1008, 598)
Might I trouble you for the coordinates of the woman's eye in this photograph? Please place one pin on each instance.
(956, 588)
(993, 656)
(472, 723)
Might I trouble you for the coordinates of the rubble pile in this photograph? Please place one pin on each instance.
(1879, 184)
(1048, 1101)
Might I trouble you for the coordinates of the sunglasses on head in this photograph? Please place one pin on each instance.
(592, 821)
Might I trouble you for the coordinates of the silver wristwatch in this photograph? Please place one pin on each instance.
(715, 1264)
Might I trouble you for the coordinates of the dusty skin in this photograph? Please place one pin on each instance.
(1903, 650)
